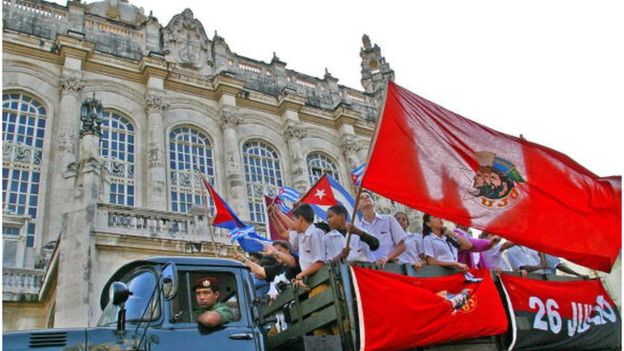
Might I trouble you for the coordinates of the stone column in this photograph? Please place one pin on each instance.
(229, 120)
(155, 104)
(76, 302)
(293, 134)
(65, 137)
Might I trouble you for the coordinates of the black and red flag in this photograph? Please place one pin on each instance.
(555, 315)
(397, 312)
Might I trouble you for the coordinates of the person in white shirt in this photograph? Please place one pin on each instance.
(442, 245)
(493, 257)
(335, 241)
(305, 238)
(384, 227)
(525, 260)
(414, 253)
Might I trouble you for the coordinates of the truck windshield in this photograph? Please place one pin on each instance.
(142, 284)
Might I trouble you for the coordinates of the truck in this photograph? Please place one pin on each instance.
(148, 305)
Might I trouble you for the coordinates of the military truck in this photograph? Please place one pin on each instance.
(148, 305)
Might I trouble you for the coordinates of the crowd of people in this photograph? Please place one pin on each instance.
(376, 238)
(380, 238)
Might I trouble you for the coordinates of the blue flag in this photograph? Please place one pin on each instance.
(248, 239)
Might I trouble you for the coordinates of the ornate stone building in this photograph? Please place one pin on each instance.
(78, 203)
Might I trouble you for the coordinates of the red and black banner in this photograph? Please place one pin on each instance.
(555, 315)
(397, 312)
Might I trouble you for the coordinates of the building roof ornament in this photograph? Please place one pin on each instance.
(186, 42)
(119, 10)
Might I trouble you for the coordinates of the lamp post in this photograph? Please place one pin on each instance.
(91, 116)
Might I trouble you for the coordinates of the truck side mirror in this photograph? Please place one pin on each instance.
(119, 293)
(170, 281)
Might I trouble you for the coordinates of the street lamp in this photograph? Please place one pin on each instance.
(91, 116)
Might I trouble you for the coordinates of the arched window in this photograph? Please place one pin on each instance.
(117, 149)
(319, 164)
(189, 151)
(23, 130)
(263, 175)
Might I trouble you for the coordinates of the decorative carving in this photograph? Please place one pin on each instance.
(229, 118)
(294, 131)
(65, 140)
(155, 102)
(71, 84)
(154, 158)
(349, 144)
(185, 38)
(366, 41)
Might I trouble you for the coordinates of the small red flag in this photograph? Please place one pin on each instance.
(454, 168)
(397, 312)
(271, 226)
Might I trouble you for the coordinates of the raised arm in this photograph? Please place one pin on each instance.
(464, 243)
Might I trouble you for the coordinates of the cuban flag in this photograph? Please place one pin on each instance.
(248, 239)
(326, 193)
(356, 174)
(286, 194)
(224, 217)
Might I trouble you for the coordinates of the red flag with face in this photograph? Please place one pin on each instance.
(454, 168)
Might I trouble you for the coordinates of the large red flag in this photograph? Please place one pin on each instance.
(397, 312)
(454, 168)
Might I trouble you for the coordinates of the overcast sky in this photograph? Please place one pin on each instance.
(551, 70)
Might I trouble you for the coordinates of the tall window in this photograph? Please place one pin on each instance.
(117, 149)
(319, 164)
(23, 129)
(189, 150)
(263, 175)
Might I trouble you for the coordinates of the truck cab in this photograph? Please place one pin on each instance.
(148, 305)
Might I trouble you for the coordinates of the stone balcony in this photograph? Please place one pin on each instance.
(142, 222)
(21, 284)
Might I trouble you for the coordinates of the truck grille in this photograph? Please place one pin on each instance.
(54, 339)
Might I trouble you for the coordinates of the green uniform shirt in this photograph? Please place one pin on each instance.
(222, 309)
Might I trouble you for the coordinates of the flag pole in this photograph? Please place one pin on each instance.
(368, 155)
(211, 229)
(357, 202)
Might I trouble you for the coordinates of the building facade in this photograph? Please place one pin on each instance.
(77, 205)
(175, 102)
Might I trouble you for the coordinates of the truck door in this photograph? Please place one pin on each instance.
(181, 331)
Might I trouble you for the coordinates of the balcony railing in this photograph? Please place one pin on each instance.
(116, 219)
(19, 284)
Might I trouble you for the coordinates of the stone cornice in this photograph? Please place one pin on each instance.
(181, 81)
(153, 67)
(289, 100)
(29, 47)
(345, 115)
(74, 47)
(227, 84)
